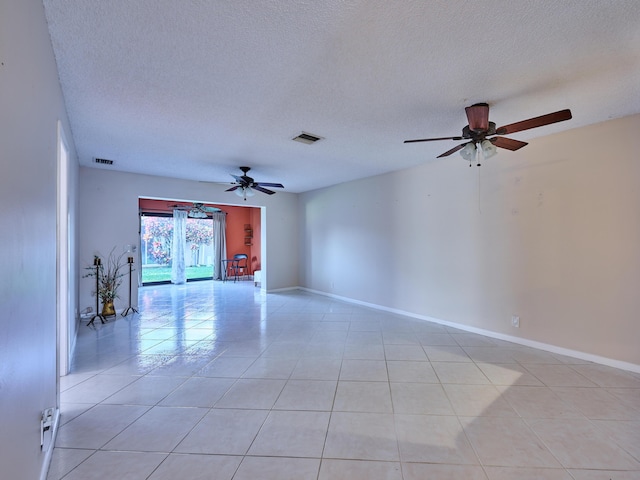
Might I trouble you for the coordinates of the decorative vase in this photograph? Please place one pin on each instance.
(108, 309)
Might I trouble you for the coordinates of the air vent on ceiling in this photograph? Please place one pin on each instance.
(104, 161)
(307, 138)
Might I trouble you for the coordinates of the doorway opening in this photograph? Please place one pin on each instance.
(202, 258)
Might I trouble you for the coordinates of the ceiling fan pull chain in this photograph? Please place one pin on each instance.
(479, 193)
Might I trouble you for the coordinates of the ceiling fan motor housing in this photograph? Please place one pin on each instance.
(478, 116)
(478, 135)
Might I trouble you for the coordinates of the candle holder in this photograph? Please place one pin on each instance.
(129, 309)
(97, 263)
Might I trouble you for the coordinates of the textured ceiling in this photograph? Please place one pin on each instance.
(195, 88)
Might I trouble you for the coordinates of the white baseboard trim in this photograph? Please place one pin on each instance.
(49, 453)
(286, 289)
(632, 367)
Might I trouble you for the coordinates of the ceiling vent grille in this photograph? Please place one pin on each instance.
(307, 138)
(104, 161)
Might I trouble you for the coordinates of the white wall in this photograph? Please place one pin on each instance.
(550, 233)
(30, 105)
(108, 217)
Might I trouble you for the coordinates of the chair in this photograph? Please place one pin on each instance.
(240, 265)
(227, 268)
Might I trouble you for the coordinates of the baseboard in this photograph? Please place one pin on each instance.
(286, 289)
(610, 362)
(46, 463)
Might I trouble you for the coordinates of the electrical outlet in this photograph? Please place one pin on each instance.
(46, 426)
(515, 321)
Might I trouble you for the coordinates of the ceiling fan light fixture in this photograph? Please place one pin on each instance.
(244, 192)
(196, 214)
(488, 149)
(468, 152)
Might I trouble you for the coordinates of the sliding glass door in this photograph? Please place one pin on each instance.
(156, 238)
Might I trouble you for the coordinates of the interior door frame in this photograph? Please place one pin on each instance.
(64, 309)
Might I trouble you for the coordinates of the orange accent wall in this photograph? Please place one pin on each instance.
(237, 218)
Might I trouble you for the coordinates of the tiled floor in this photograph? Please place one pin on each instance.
(219, 381)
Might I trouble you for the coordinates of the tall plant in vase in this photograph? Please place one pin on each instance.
(109, 274)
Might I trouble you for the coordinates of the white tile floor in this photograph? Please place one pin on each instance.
(218, 381)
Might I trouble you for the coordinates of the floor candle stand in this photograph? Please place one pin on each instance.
(97, 263)
(129, 309)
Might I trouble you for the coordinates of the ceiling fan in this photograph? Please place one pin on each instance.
(197, 210)
(480, 128)
(244, 185)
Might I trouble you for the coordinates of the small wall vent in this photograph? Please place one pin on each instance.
(104, 161)
(307, 138)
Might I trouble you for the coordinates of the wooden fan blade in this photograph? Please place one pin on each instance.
(432, 139)
(478, 116)
(548, 119)
(508, 143)
(232, 188)
(453, 150)
(263, 190)
(266, 184)
(237, 178)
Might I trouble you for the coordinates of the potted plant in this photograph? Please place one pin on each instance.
(108, 278)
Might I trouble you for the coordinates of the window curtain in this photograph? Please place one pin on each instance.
(219, 243)
(179, 247)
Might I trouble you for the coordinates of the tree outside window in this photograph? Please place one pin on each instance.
(156, 237)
